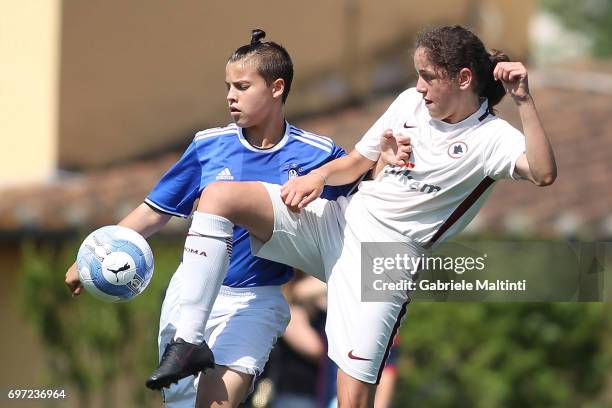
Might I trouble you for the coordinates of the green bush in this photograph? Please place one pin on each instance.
(505, 355)
(92, 345)
(453, 354)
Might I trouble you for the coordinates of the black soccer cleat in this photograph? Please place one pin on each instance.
(180, 359)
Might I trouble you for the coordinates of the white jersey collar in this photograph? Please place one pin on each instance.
(274, 148)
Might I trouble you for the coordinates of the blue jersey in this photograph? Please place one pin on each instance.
(225, 154)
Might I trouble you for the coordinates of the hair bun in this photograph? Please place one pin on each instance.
(257, 35)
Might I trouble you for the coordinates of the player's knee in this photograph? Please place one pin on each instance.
(219, 198)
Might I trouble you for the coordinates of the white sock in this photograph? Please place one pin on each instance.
(206, 256)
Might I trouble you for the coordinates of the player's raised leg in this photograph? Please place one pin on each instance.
(206, 256)
(243, 203)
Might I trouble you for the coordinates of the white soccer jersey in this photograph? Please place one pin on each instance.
(449, 174)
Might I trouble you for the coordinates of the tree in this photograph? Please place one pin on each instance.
(590, 17)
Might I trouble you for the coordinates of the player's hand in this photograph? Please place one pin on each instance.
(73, 281)
(395, 148)
(298, 192)
(513, 76)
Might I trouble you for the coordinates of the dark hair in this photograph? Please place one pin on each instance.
(453, 48)
(273, 61)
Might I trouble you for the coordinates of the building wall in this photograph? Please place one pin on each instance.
(29, 53)
(137, 77)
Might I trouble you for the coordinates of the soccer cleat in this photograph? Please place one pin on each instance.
(180, 359)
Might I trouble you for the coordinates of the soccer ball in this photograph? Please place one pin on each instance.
(115, 263)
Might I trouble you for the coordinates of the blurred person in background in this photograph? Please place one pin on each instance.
(299, 373)
(460, 150)
(251, 312)
(296, 361)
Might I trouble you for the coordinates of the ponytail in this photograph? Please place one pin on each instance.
(493, 90)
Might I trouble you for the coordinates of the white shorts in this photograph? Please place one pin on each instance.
(324, 240)
(242, 329)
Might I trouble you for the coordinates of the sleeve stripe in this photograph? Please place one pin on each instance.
(157, 207)
(325, 138)
(312, 136)
(231, 126)
(215, 132)
(312, 143)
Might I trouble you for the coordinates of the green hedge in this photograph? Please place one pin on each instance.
(453, 354)
(506, 355)
(94, 346)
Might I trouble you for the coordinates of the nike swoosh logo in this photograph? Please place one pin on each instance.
(407, 126)
(354, 357)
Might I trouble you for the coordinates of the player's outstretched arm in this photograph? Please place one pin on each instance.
(300, 191)
(538, 163)
(142, 219)
(145, 220)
